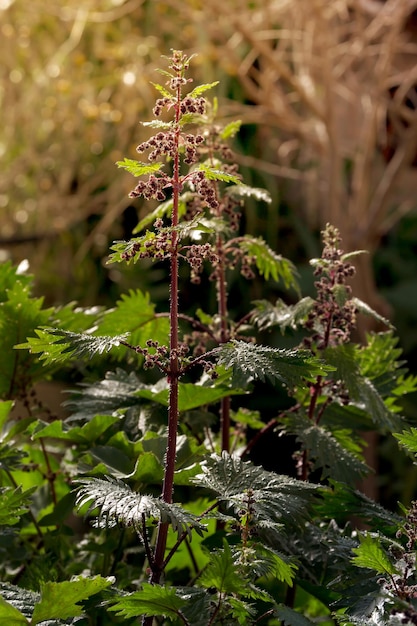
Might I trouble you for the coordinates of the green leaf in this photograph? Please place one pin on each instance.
(13, 504)
(291, 617)
(150, 600)
(336, 454)
(363, 394)
(159, 124)
(118, 390)
(20, 314)
(10, 616)
(59, 600)
(408, 439)
(289, 367)
(231, 129)
(275, 498)
(364, 308)
(197, 91)
(163, 210)
(135, 314)
(244, 191)
(58, 346)
(269, 263)
(211, 173)
(222, 573)
(137, 168)
(371, 555)
(164, 92)
(281, 314)
(118, 504)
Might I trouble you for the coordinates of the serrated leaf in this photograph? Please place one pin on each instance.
(245, 191)
(163, 210)
(364, 308)
(250, 361)
(362, 392)
(118, 504)
(159, 124)
(13, 504)
(371, 555)
(150, 600)
(222, 573)
(275, 498)
(281, 314)
(58, 346)
(212, 173)
(164, 92)
(20, 314)
(135, 313)
(10, 616)
(197, 91)
(137, 168)
(408, 439)
(291, 617)
(115, 392)
(60, 600)
(326, 450)
(268, 263)
(231, 129)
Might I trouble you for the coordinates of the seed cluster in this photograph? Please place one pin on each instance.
(333, 316)
(195, 255)
(153, 188)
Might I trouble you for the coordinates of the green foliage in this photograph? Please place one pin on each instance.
(118, 504)
(137, 168)
(268, 263)
(249, 362)
(370, 554)
(141, 501)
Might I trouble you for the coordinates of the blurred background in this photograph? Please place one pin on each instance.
(327, 91)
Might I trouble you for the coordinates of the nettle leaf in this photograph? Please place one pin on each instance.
(58, 346)
(408, 439)
(291, 617)
(164, 210)
(371, 555)
(158, 124)
(212, 173)
(231, 129)
(13, 504)
(364, 308)
(275, 498)
(269, 263)
(223, 574)
(150, 600)
(118, 504)
(135, 313)
(336, 454)
(105, 397)
(250, 361)
(137, 168)
(20, 314)
(60, 600)
(10, 616)
(132, 248)
(361, 390)
(162, 90)
(245, 191)
(197, 91)
(281, 314)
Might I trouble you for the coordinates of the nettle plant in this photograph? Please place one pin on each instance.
(174, 523)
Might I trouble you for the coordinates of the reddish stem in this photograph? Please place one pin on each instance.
(174, 368)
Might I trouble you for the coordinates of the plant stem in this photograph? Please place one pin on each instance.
(174, 368)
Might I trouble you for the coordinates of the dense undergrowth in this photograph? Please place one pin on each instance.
(143, 504)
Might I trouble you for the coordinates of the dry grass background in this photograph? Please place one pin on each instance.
(315, 77)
